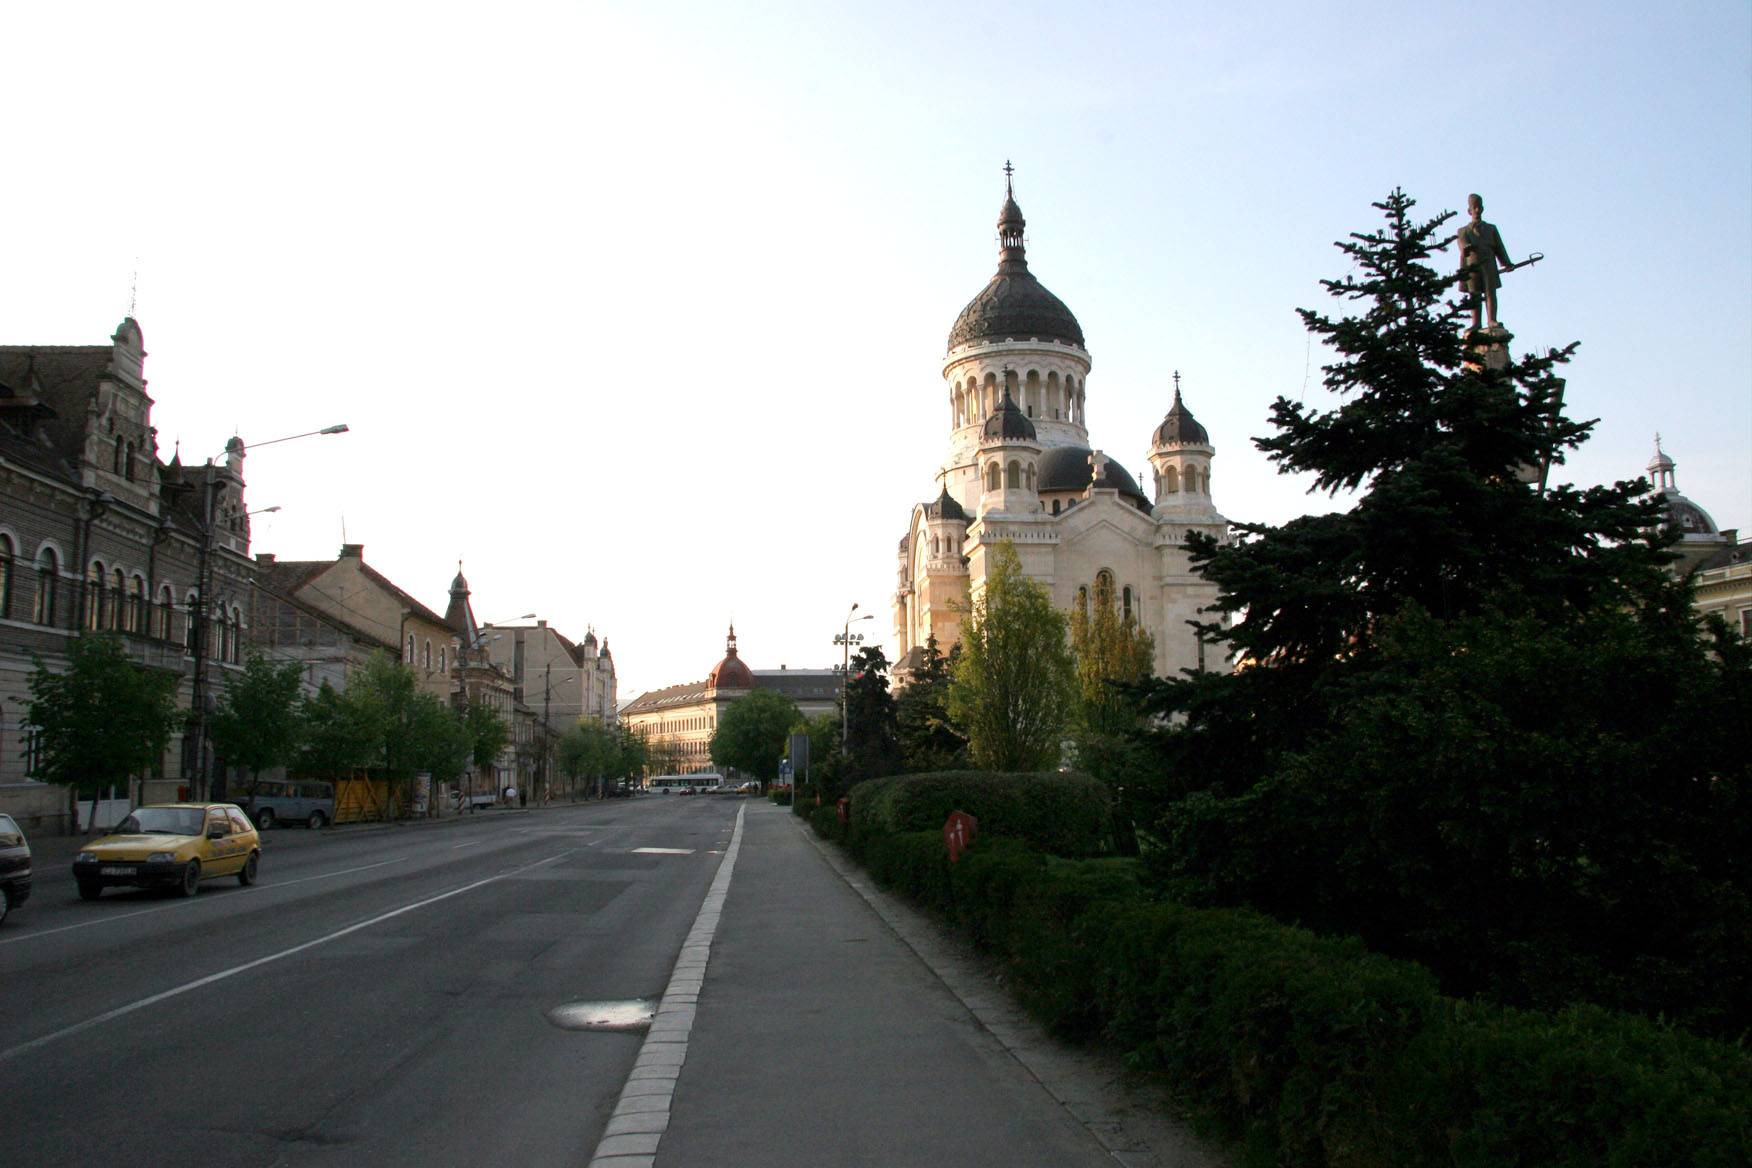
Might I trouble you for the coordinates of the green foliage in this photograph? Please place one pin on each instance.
(827, 767)
(1112, 652)
(102, 721)
(927, 738)
(385, 723)
(1015, 682)
(873, 741)
(487, 733)
(256, 723)
(1063, 814)
(588, 750)
(336, 735)
(1475, 723)
(752, 734)
(915, 864)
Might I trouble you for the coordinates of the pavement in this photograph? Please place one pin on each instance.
(824, 1022)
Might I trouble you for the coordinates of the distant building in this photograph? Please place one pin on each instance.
(678, 721)
(1721, 574)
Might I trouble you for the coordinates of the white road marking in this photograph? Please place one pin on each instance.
(664, 851)
(642, 1115)
(131, 1007)
(192, 903)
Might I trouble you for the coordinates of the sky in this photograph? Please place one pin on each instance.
(638, 310)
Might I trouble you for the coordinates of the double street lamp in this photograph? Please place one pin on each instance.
(195, 759)
(846, 639)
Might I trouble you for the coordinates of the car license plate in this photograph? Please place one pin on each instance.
(116, 870)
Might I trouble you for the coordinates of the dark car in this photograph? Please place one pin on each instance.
(14, 866)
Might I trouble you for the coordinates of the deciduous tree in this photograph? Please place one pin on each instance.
(256, 723)
(751, 734)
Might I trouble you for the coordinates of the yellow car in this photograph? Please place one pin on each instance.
(174, 845)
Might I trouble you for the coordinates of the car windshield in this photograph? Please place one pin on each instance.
(163, 821)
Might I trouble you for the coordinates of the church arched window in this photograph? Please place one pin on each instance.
(1126, 609)
(1083, 600)
(1013, 475)
(1031, 476)
(1104, 588)
(1171, 481)
(1055, 506)
(992, 476)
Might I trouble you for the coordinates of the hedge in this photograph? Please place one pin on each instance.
(1066, 815)
(1311, 1050)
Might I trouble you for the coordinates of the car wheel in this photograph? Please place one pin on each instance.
(191, 879)
(246, 875)
(265, 818)
(317, 819)
(90, 890)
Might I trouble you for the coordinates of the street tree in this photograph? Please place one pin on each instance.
(1473, 718)
(927, 737)
(1113, 654)
(752, 733)
(872, 740)
(1015, 682)
(488, 734)
(336, 736)
(256, 722)
(101, 720)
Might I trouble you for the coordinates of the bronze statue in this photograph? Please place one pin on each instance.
(1481, 252)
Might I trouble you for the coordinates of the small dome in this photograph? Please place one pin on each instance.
(1179, 427)
(945, 509)
(1009, 423)
(730, 673)
(1066, 468)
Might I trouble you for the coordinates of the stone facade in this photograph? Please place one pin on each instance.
(1019, 469)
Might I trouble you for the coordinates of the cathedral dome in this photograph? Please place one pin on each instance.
(1009, 423)
(944, 509)
(730, 673)
(1066, 468)
(1180, 428)
(1014, 305)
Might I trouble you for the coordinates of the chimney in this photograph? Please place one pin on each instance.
(352, 551)
(264, 558)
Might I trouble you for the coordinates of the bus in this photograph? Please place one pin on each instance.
(692, 784)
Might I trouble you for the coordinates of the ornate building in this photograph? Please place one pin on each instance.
(678, 721)
(1019, 468)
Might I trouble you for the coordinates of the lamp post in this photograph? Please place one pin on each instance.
(845, 640)
(195, 761)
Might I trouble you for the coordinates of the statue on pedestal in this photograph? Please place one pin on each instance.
(1482, 259)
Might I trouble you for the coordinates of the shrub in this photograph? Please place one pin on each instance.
(1066, 815)
(825, 821)
(914, 864)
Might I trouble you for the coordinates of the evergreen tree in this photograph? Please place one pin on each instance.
(872, 741)
(1414, 745)
(928, 740)
(1015, 683)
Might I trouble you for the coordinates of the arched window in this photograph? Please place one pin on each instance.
(427, 662)
(5, 576)
(1031, 394)
(191, 628)
(410, 648)
(237, 636)
(1126, 610)
(116, 461)
(1171, 481)
(1083, 600)
(1013, 475)
(118, 599)
(1030, 477)
(992, 476)
(1055, 506)
(48, 573)
(137, 604)
(1104, 588)
(128, 462)
(166, 604)
(94, 582)
(442, 658)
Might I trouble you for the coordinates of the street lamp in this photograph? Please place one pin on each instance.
(845, 640)
(195, 761)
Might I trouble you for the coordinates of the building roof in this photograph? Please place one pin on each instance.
(289, 576)
(1008, 423)
(731, 672)
(1179, 427)
(1067, 468)
(800, 685)
(944, 508)
(1014, 305)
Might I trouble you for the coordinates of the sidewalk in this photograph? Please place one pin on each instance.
(824, 1037)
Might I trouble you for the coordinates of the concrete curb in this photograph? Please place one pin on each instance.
(641, 1116)
(1091, 1086)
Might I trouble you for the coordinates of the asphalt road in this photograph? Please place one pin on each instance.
(378, 998)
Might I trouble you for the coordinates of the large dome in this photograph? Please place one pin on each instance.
(1066, 468)
(730, 673)
(1014, 306)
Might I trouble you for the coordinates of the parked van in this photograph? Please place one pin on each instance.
(306, 801)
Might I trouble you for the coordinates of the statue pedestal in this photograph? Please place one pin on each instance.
(1487, 348)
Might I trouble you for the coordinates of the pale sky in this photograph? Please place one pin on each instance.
(639, 309)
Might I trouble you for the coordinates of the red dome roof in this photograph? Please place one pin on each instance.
(730, 673)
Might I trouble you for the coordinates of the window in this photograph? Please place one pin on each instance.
(118, 599)
(410, 648)
(1104, 588)
(166, 602)
(1055, 506)
(218, 822)
(136, 620)
(5, 576)
(428, 658)
(1013, 475)
(116, 461)
(992, 475)
(94, 578)
(128, 462)
(1127, 609)
(1171, 481)
(442, 667)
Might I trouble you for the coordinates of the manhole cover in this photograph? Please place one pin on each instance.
(633, 1014)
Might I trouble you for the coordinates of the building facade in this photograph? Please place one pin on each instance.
(96, 533)
(1019, 469)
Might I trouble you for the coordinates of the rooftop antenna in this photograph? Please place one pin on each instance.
(134, 289)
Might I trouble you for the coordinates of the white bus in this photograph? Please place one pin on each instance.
(692, 784)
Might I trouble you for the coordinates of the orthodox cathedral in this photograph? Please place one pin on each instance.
(1019, 468)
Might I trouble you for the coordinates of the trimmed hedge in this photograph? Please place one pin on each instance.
(1065, 815)
(1312, 1051)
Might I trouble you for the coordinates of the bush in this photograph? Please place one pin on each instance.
(825, 821)
(1065, 815)
(914, 864)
